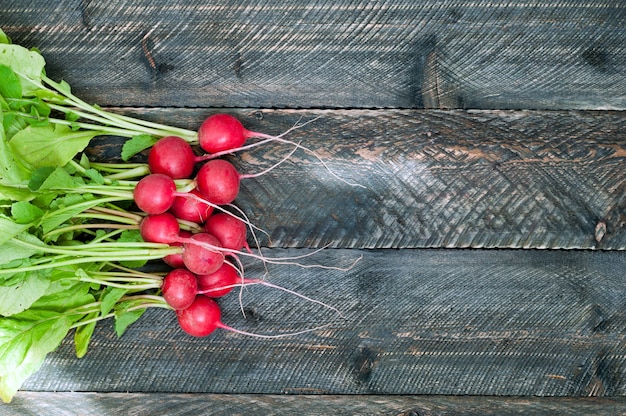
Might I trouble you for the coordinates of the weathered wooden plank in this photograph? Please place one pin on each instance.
(62, 404)
(477, 54)
(415, 322)
(437, 178)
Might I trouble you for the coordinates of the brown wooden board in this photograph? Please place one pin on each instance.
(64, 404)
(433, 178)
(514, 54)
(415, 322)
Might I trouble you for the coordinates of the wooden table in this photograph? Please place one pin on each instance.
(490, 142)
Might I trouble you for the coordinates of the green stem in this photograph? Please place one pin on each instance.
(136, 218)
(89, 226)
(130, 285)
(107, 217)
(125, 122)
(137, 172)
(82, 260)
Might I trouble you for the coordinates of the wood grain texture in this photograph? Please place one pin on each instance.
(485, 179)
(415, 322)
(63, 404)
(483, 54)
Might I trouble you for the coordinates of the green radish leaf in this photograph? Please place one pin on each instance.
(95, 176)
(84, 161)
(83, 334)
(71, 116)
(13, 380)
(52, 145)
(13, 193)
(23, 212)
(10, 86)
(27, 65)
(136, 144)
(66, 208)
(109, 298)
(10, 228)
(12, 250)
(58, 179)
(26, 338)
(39, 176)
(19, 297)
(124, 318)
(4, 38)
(12, 171)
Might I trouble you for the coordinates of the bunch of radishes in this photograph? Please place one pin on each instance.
(208, 265)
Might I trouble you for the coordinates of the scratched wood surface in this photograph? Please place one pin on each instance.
(63, 404)
(414, 322)
(486, 179)
(445, 313)
(535, 54)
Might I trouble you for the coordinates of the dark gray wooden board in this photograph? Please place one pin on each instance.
(475, 54)
(64, 404)
(415, 322)
(488, 179)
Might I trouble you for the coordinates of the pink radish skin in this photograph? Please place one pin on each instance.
(229, 230)
(161, 228)
(172, 156)
(155, 193)
(188, 208)
(221, 132)
(201, 253)
(179, 288)
(198, 258)
(201, 318)
(218, 181)
(204, 316)
(218, 283)
(176, 260)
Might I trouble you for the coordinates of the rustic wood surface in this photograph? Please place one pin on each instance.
(453, 179)
(535, 54)
(64, 404)
(445, 313)
(426, 322)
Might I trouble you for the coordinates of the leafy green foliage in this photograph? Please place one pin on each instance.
(27, 337)
(125, 318)
(136, 144)
(10, 86)
(27, 65)
(51, 145)
(61, 269)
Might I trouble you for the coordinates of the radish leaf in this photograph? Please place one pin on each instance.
(49, 145)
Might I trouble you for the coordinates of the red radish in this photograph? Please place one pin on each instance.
(220, 282)
(172, 156)
(229, 230)
(187, 208)
(198, 255)
(221, 132)
(176, 260)
(201, 253)
(218, 181)
(201, 318)
(179, 288)
(154, 194)
(204, 316)
(160, 228)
